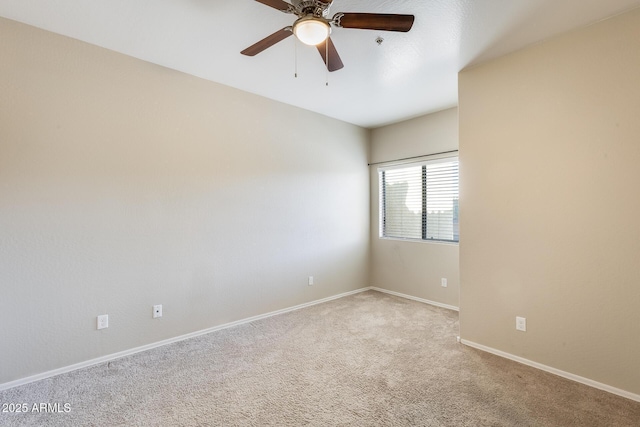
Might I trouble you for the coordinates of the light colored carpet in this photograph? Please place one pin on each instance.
(370, 359)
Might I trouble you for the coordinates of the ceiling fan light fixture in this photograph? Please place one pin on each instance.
(311, 31)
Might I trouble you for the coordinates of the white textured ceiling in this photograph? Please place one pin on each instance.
(408, 75)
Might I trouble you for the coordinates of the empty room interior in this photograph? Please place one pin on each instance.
(429, 215)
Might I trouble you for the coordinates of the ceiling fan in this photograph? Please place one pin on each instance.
(314, 28)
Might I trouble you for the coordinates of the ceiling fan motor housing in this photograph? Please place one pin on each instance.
(311, 7)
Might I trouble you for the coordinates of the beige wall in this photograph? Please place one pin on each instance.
(124, 184)
(413, 268)
(549, 205)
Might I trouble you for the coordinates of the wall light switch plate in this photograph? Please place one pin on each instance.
(443, 282)
(157, 311)
(521, 324)
(310, 280)
(103, 321)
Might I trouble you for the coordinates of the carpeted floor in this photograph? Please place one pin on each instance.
(370, 359)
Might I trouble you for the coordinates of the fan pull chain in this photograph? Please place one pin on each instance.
(295, 55)
(326, 53)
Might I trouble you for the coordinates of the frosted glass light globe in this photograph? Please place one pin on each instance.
(311, 31)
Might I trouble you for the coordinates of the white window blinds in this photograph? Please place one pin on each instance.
(420, 200)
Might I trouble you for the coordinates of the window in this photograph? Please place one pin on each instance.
(420, 201)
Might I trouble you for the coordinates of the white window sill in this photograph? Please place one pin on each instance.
(429, 242)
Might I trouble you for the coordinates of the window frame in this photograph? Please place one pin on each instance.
(382, 199)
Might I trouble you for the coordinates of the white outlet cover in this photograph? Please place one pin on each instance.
(310, 280)
(103, 321)
(157, 311)
(443, 281)
(521, 324)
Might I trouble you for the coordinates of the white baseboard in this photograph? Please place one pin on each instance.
(554, 371)
(124, 353)
(426, 301)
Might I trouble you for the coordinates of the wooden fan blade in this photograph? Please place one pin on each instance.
(276, 4)
(335, 63)
(267, 42)
(375, 21)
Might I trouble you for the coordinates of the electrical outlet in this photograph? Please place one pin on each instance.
(521, 324)
(443, 282)
(103, 321)
(157, 311)
(310, 280)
